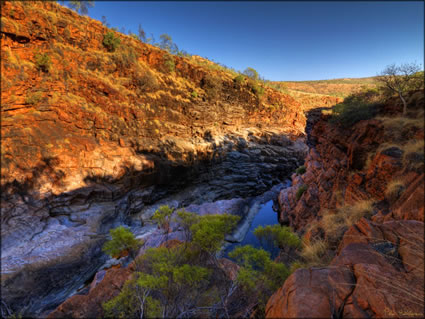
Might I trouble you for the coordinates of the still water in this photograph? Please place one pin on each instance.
(265, 216)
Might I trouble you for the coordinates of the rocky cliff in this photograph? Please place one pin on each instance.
(90, 137)
(362, 193)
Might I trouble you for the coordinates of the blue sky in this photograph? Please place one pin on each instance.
(283, 40)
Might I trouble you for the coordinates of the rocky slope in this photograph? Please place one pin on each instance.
(377, 269)
(91, 136)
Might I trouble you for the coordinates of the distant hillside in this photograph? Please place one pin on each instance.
(335, 87)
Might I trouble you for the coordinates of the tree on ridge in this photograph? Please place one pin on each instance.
(401, 79)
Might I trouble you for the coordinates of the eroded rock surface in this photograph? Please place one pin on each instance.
(377, 273)
(378, 270)
(103, 136)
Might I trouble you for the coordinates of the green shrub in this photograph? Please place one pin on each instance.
(300, 170)
(111, 42)
(124, 58)
(169, 65)
(259, 276)
(300, 191)
(355, 108)
(42, 62)
(162, 216)
(122, 240)
(296, 265)
(186, 220)
(251, 73)
(172, 276)
(278, 235)
(256, 88)
(209, 232)
(34, 98)
(164, 287)
(239, 79)
(194, 94)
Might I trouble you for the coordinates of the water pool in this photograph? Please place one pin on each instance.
(265, 216)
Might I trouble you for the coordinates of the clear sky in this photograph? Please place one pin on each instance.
(283, 40)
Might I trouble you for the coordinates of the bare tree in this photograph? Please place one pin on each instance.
(400, 79)
(105, 22)
(81, 6)
(142, 33)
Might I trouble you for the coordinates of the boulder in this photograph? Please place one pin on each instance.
(378, 272)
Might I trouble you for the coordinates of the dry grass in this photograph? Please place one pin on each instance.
(327, 112)
(398, 129)
(413, 157)
(413, 153)
(315, 253)
(335, 223)
(401, 122)
(337, 87)
(415, 146)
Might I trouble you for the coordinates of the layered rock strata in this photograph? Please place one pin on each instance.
(378, 267)
(97, 136)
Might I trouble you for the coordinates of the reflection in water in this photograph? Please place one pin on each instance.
(265, 216)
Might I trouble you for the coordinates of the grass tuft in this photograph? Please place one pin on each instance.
(335, 223)
(394, 189)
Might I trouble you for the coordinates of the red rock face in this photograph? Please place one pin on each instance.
(378, 270)
(377, 273)
(90, 306)
(336, 168)
(97, 125)
(76, 122)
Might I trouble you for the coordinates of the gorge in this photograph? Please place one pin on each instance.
(103, 138)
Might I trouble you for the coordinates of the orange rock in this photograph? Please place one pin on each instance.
(378, 272)
(90, 306)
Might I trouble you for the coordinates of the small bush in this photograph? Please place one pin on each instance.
(251, 73)
(278, 235)
(95, 64)
(259, 276)
(256, 88)
(296, 265)
(300, 170)
(124, 58)
(300, 191)
(209, 232)
(34, 98)
(162, 216)
(355, 108)
(194, 94)
(169, 65)
(144, 81)
(111, 42)
(42, 62)
(122, 240)
(212, 86)
(239, 79)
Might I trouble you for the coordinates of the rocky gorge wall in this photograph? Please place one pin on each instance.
(103, 135)
(377, 268)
